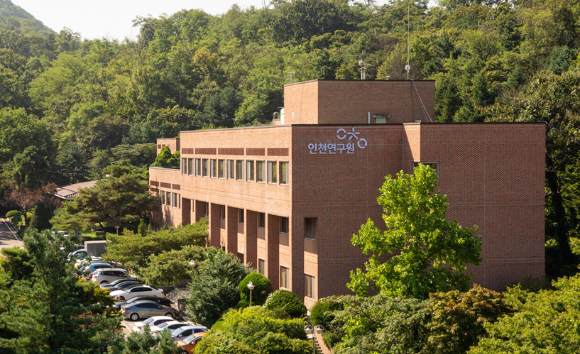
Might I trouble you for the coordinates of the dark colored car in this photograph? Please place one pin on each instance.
(125, 285)
(160, 301)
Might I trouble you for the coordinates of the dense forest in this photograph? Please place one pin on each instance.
(86, 104)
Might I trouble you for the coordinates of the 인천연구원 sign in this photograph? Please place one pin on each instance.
(333, 148)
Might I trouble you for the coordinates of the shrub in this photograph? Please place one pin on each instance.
(11, 213)
(286, 301)
(262, 288)
(322, 313)
(40, 218)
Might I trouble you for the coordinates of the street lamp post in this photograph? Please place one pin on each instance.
(251, 287)
(310, 329)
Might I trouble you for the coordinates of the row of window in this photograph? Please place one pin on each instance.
(284, 276)
(170, 199)
(255, 171)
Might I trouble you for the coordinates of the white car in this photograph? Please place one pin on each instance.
(170, 326)
(185, 331)
(151, 321)
(143, 290)
(110, 275)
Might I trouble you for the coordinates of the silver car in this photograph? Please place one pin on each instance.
(110, 275)
(185, 331)
(145, 309)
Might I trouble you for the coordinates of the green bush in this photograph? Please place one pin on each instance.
(40, 218)
(287, 301)
(11, 213)
(321, 314)
(262, 288)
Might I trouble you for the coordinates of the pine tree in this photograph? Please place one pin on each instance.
(51, 310)
(40, 218)
(447, 101)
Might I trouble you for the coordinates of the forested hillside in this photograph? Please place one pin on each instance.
(88, 104)
(15, 18)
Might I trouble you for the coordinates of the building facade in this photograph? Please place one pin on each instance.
(287, 198)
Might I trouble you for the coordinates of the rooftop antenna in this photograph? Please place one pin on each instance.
(408, 67)
(363, 70)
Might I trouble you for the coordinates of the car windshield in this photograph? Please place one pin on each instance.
(177, 331)
(128, 285)
(188, 339)
(149, 320)
(163, 324)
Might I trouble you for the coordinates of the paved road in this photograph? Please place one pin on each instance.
(7, 237)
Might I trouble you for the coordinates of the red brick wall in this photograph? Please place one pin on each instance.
(351, 101)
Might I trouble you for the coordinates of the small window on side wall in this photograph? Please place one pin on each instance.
(213, 168)
(190, 167)
(309, 286)
(262, 220)
(241, 216)
(259, 171)
(250, 171)
(262, 266)
(283, 172)
(284, 277)
(205, 168)
(162, 195)
(198, 167)
(310, 228)
(284, 227)
(433, 165)
(231, 169)
(183, 166)
(272, 175)
(221, 169)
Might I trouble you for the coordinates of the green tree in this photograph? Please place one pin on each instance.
(30, 169)
(170, 267)
(214, 287)
(287, 302)
(262, 288)
(458, 319)
(543, 322)
(114, 201)
(40, 218)
(166, 159)
(51, 311)
(427, 252)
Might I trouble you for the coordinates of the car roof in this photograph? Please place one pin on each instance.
(140, 302)
(117, 269)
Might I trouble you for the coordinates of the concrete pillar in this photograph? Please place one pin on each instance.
(185, 211)
(273, 245)
(232, 230)
(251, 232)
(297, 256)
(214, 225)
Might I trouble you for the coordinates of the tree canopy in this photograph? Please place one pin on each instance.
(427, 253)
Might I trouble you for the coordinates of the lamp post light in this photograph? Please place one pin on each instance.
(251, 287)
(310, 329)
(192, 263)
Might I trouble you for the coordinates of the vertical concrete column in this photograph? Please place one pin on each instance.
(185, 211)
(232, 230)
(297, 255)
(214, 225)
(251, 232)
(273, 245)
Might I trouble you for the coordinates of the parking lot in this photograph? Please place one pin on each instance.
(8, 236)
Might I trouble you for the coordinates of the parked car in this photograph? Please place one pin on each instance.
(85, 262)
(151, 321)
(186, 331)
(188, 344)
(125, 285)
(78, 254)
(118, 282)
(111, 274)
(160, 300)
(170, 326)
(90, 269)
(145, 309)
(132, 292)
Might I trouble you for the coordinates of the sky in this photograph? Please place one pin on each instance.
(112, 19)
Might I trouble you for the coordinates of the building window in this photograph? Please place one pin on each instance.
(174, 195)
(162, 194)
(284, 277)
(262, 220)
(198, 167)
(284, 227)
(183, 166)
(309, 286)
(433, 165)
(190, 167)
(213, 168)
(168, 198)
(262, 266)
(283, 172)
(272, 172)
(310, 228)
(239, 170)
(231, 169)
(250, 171)
(259, 171)
(241, 216)
(221, 172)
(222, 212)
(205, 167)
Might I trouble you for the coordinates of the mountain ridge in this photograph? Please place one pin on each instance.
(15, 18)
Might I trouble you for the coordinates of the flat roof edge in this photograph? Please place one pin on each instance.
(165, 168)
(321, 80)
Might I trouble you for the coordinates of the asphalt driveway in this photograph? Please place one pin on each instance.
(8, 237)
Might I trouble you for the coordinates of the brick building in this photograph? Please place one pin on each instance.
(287, 198)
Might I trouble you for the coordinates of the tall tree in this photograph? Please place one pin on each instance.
(427, 252)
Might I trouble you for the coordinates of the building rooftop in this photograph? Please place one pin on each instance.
(71, 191)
